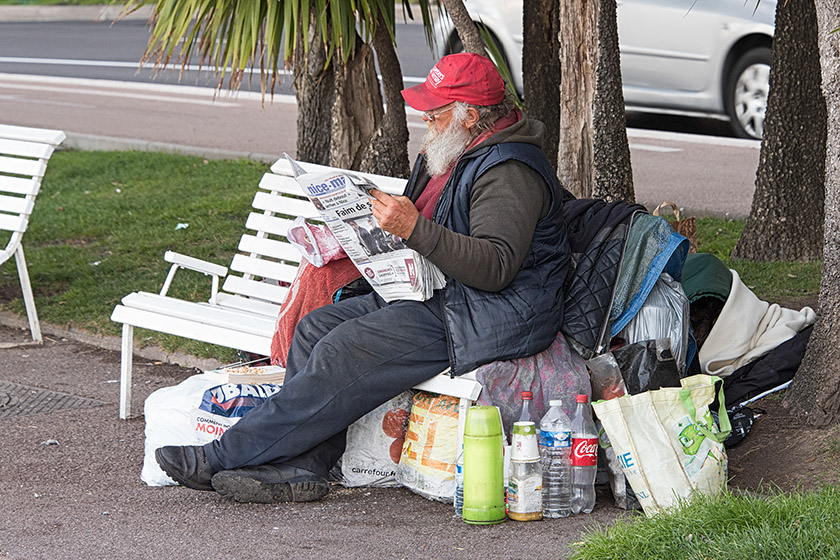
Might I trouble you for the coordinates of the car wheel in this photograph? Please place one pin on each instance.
(454, 45)
(746, 94)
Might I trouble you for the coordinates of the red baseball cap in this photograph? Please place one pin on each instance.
(464, 77)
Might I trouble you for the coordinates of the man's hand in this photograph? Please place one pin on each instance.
(395, 214)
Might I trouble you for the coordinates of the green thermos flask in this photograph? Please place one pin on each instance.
(484, 485)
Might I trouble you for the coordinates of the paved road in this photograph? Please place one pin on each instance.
(82, 77)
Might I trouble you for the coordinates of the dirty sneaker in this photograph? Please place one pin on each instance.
(186, 465)
(268, 484)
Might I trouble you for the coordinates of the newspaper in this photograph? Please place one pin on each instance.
(391, 268)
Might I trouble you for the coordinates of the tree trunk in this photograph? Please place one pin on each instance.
(357, 109)
(593, 156)
(467, 31)
(816, 388)
(579, 61)
(315, 94)
(387, 152)
(339, 105)
(613, 173)
(786, 217)
(541, 68)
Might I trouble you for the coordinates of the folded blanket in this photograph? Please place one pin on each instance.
(748, 328)
(557, 372)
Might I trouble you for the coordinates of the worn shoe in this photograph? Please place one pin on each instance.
(186, 465)
(267, 484)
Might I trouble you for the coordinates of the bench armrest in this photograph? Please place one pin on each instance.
(191, 263)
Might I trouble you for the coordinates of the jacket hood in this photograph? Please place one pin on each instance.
(527, 131)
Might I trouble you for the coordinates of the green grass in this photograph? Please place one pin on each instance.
(103, 221)
(776, 282)
(775, 525)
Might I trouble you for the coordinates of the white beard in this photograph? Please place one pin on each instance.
(442, 149)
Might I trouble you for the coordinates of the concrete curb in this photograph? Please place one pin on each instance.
(93, 142)
(109, 12)
(113, 343)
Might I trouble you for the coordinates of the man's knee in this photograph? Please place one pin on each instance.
(311, 327)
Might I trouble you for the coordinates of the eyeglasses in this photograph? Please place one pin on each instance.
(431, 115)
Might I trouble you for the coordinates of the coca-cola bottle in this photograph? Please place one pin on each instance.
(584, 457)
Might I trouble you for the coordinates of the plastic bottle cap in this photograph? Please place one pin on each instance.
(527, 395)
(555, 402)
(582, 398)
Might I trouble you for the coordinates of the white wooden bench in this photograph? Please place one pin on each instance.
(242, 313)
(24, 153)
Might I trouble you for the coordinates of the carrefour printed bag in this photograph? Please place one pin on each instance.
(667, 442)
(194, 412)
(374, 445)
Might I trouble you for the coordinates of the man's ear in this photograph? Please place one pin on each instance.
(473, 117)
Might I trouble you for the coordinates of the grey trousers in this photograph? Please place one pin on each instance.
(345, 360)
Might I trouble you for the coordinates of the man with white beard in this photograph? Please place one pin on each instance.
(484, 205)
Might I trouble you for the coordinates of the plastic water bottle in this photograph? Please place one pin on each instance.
(555, 447)
(584, 457)
(459, 483)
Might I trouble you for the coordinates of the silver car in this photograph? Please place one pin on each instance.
(709, 57)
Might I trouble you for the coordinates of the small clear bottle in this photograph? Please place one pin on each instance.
(527, 412)
(459, 483)
(555, 448)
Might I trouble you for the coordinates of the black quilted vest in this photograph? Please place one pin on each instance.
(523, 318)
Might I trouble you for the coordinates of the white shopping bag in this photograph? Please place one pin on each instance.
(196, 411)
(667, 442)
(374, 444)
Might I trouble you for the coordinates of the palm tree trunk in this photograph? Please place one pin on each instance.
(357, 109)
(315, 93)
(467, 31)
(387, 152)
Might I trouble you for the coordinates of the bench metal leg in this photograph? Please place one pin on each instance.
(28, 298)
(126, 362)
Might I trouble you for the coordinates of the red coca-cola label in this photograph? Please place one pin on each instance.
(584, 452)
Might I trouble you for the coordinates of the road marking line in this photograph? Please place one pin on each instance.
(127, 95)
(650, 148)
(120, 64)
(145, 86)
(28, 100)
(693, 138)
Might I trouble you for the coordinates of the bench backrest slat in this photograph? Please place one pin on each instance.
(19, 185)
(21, 148)
(21, 166)
(45, 135)
(256, 289)
(10, 222)
(268, 224)
(263, 268)
(17, 204)
(284, 205)
(280, 250)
